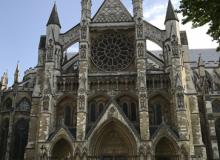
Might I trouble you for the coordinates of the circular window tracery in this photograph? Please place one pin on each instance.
(112, 51)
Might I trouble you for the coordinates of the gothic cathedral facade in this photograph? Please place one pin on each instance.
(114, 100)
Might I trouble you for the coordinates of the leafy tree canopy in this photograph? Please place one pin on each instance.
(202, 12)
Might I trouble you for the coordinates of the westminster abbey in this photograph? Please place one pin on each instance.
(114, 99)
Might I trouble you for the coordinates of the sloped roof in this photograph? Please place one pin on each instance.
(54, 18)
(171, 15)
(112, 11)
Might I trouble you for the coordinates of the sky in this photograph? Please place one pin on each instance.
(23, 21)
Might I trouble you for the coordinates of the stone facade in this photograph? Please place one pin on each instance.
(114, 99)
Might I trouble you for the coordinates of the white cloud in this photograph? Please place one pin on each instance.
(197, 37)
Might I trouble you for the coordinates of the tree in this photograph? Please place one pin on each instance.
(202, 12)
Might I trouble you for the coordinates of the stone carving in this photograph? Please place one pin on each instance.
(111, 112)
(46, 100)
(113, 11)
(81, 102)
(140, 50)
(112, 51)
(83, 51)
(180, 100)
(141, 82)
(82, 84)
(175, 46)
(143, 101)
(140, 28)
(50, 50)
(84, 30)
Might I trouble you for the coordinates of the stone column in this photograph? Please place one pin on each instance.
(83, 71)
(212, 130)
(141, 69)
(199, 148)
(30, 152)
(178, 96)
(11, 124)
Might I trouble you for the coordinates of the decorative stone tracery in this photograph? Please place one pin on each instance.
(112, 51)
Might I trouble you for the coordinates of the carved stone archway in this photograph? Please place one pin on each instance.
(61, 150)
(166, 149)
(113, 140)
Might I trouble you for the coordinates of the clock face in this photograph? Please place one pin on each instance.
(112, 51)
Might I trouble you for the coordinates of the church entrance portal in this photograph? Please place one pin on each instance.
(165, 150)
(113, 141)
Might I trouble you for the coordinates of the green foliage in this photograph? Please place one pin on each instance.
(202, 12)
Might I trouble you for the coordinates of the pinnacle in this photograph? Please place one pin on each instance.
(171, 15)
(200, 61)
(54, 18)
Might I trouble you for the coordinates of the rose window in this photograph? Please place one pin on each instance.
(112, 51)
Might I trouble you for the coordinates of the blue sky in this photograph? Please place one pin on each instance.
(23, 21)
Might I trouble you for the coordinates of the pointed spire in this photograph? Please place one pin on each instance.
(4, 81)
(200, 61)
(16, 75)
(54, 18)
(171, 15)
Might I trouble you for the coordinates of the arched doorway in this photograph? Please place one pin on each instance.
(113, 141)
(165, 150)
(62, 150)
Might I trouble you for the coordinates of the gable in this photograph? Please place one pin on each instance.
(112, 11)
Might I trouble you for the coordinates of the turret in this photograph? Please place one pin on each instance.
(86, 9)
(53, 53)
(4, 81)
(172, 23)
(138, 8)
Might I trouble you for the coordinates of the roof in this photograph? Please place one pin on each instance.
(54, 18)
(42, 43)
(112, 11)
(171, 15)
(206, 54)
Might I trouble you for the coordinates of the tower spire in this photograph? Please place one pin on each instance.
(54, 18)
(4, 81)
(170, 15)
(200, 61)
(16, 75)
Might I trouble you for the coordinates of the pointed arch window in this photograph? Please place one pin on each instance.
(68, 116)
(93, 112)
(129, 107)
(133, 112)
(8, 104)
(216, 106)
(24, 105)
(101, 108)
(125, 109)
(96, 108)
(20, 138)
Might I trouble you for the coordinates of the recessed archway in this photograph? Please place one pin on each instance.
(113, 140)
(61, 150)
(166, 150)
